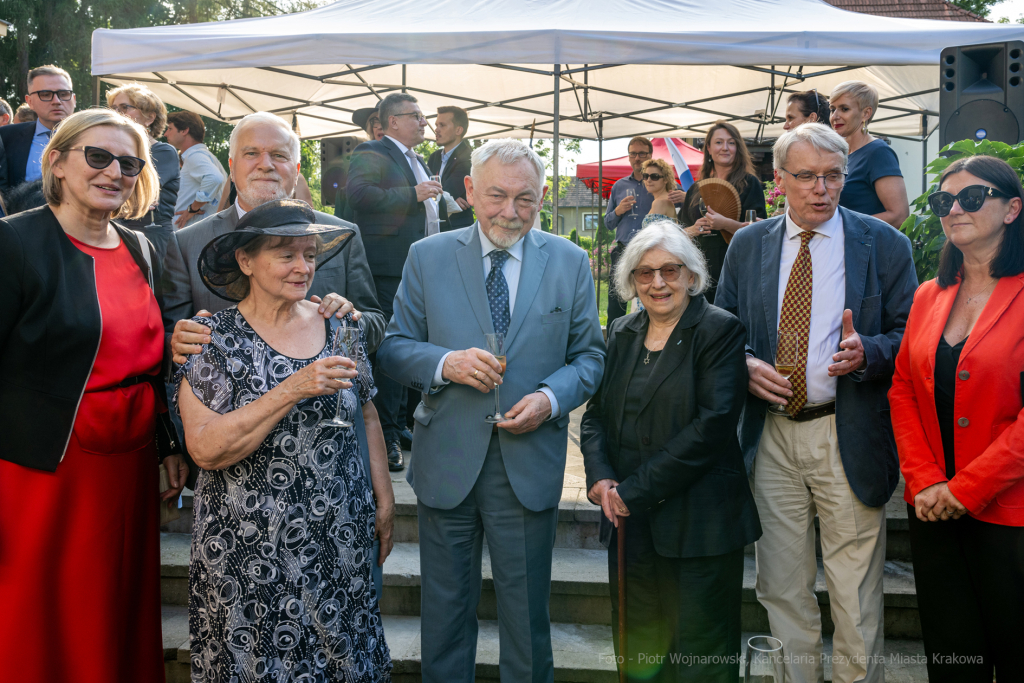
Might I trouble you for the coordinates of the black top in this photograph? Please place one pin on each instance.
(50, 328)
(946, 359)
(714, 246)
(634, 397)
(687, 473)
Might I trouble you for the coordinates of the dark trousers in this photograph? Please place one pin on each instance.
(970, 594)
(616, 306)
(390, 394)
(677, 608)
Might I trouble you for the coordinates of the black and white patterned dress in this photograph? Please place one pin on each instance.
(280, 587)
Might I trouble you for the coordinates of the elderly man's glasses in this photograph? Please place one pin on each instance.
(47, 95)
(124, 108)
(971, 199)
(652, 176)
(833, 181)
(669, 273)
(639, 155)
(100, 158)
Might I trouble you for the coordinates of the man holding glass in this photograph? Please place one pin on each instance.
(842, 284)
(475, 480)
(50, 96)
(628, 203)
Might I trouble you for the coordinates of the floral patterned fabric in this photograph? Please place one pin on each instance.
(280, 587)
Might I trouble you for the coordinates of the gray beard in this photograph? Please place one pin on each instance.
(502, 240)
(254, 199)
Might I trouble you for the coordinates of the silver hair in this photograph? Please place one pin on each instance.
(268, 118)
(821, 137)
(661, 235)
(508, 151)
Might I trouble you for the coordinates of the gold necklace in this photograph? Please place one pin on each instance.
(972, 298)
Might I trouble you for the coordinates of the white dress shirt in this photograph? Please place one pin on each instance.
(433, 225)
(828, 298)
(511, 270)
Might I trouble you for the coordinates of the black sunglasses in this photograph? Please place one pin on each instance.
(971, 199)
(97, 157)
(652, 176)
(47, 95)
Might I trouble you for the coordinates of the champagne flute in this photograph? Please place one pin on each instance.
(437, 179)
(344, 337)
(786, 354)
(765, 663)
(496, 347)
(751, 215)
(630, 192)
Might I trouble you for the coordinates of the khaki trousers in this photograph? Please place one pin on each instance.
(798, 473)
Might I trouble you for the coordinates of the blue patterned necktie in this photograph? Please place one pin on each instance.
(497, 292)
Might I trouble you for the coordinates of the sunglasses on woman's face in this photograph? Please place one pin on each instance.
(652, 176)
(99, 158)
(669, 273)
(971, 199)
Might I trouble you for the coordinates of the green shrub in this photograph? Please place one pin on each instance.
(922, 226)
(574, 237)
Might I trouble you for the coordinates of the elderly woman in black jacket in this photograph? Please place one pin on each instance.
(660, 448)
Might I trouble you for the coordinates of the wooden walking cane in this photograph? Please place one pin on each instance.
(621, 543)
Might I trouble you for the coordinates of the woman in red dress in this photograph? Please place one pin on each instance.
(81, 347)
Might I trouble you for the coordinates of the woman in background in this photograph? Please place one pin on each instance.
(806, 107)
(142, 106)
(659, 180)
(874, 182)
(726, 157)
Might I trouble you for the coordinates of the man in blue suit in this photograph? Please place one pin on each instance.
(841, 284)
(472, 481)
(394, 204)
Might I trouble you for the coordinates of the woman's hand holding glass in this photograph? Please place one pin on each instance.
(321, 378)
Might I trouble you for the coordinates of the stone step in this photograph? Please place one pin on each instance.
(582, 653)
(579, 588)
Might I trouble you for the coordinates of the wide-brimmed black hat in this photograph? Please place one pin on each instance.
(361, 116)
(283, 217)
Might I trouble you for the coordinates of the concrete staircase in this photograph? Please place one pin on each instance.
(580, 601)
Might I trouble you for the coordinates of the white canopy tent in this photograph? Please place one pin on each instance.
(648, 67)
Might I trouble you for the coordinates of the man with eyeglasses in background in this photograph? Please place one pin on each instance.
(394, 203)
(833, 287)
(628, 203)
(51, 97)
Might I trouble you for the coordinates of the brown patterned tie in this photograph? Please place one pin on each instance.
(796, 317)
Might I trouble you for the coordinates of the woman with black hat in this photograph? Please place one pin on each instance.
(285, 520)
(369, 120)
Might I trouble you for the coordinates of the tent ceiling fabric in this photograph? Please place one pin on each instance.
(688, 70)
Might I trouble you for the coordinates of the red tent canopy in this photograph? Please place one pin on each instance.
(620, 168)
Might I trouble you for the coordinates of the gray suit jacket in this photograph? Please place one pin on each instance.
(880, 286)
(554, 340)
(184, 292)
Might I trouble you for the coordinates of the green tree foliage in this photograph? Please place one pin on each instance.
(574, 236)
(923, 227)
(979, 7)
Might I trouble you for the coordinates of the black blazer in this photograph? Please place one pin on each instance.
(50, 330)
(453, 180)
(15, 142)
(382, 196)
(691, 481)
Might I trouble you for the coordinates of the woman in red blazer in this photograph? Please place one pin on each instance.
(959, 424)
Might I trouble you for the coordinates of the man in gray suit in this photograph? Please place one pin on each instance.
(474, 482)
(264, 163)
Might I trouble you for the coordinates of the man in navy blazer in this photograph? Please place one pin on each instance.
(50, 96)
(394, 204)
(453, 162)
(842, 283)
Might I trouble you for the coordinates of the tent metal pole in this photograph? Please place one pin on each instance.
(924, 153)
(95, 91)
(403, 78)
(600, 206)
(554, 168)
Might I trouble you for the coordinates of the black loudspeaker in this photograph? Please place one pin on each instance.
(981, 93)
(334, 155)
